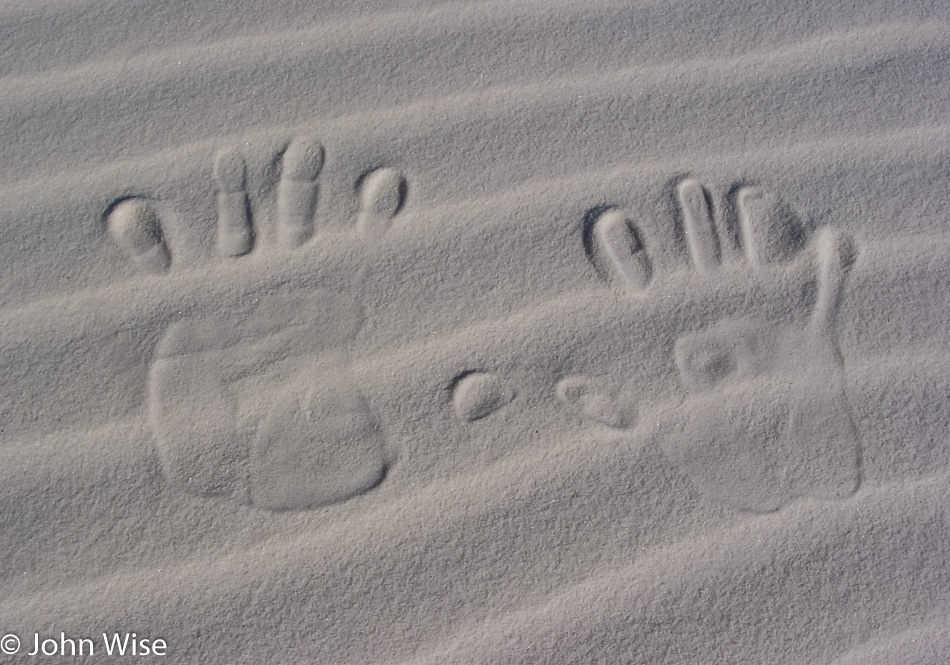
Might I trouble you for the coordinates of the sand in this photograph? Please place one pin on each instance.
(480, 333)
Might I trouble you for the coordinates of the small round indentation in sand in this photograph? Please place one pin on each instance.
(479, 394)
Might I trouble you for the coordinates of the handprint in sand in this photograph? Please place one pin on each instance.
(256, 402)
(763, 415)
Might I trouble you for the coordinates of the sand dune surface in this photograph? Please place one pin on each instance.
(475, 332)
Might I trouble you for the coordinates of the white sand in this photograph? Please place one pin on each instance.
(527, 332)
